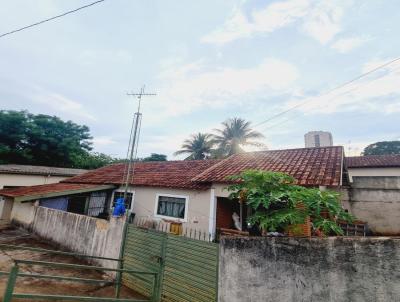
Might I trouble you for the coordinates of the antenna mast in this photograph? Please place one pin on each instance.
(134, 139)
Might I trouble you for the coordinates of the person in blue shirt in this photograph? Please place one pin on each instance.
(119, 209)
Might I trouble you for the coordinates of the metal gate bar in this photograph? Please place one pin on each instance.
(9, 292)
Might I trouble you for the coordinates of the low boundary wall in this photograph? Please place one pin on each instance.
(330, 269)
(79, 233)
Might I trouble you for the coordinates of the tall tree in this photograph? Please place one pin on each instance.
(198, 146)
(46, 140)
(155, 157)
(13, 137)
(55, 142)
(235, 134)
(383, 148)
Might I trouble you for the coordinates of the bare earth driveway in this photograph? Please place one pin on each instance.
(9, 235)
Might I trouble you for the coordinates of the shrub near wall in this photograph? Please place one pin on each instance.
(334, 269)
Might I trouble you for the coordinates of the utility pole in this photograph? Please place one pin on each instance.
(131, 157)
(134, 137)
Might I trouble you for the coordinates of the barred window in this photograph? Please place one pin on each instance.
(171, 206)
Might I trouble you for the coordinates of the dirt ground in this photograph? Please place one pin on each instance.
(46, 286)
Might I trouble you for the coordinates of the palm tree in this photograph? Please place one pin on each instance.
(199, 146)
(236, 133)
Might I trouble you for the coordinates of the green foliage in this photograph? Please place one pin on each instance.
(199, 146)
(46, 140)
(278, 203)
(235, 134)
(383, 148)
(92, 160)
(155, 157)
(13, 136)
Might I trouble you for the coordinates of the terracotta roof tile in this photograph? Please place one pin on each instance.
(310, 166)
(375, 161)
(44, 189)
(173, 174)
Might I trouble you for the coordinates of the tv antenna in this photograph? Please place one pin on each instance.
(134, 138)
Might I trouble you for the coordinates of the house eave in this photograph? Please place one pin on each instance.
(27, 198)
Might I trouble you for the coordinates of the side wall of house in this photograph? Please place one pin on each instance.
(375, 200)
(6, 205)
(372, 172)
(19, 180)
(22, 213)
(198, 211)
(290, 270)
(79, 233)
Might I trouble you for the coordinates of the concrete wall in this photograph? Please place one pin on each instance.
(220, 190)
(295, 270)
(22, 213)
(5, 209)
(375, 200)
(372, 172)
(27, 180)
(79, 233)
(198, 212)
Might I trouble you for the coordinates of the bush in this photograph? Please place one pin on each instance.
(278, 203)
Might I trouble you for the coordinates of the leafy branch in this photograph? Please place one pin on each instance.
(278, 203)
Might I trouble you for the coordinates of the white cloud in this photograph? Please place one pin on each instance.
(379, 92)
(323, 20)
(237, 26)
(192, 86)
(101, 141)
(347, 44)
(318, 19)
(93, 57)
(60, 103)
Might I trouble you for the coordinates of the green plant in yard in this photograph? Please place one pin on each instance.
(278, 203)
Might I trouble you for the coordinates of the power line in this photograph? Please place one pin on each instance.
(331, 99)
(329, 91)
(50, 19)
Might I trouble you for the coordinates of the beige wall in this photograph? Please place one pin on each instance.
(23, 213)
(220, 190)
(198, 210)
(375, 200)
(373, 172)
(80, 234)
(5, 209)
(27, 180)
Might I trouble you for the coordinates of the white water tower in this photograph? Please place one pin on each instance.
(315, 139)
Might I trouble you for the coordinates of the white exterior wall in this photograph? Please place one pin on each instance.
(220, 190)
(5, 209)
(23, 213)
(198, 205)
(372, 172)
(27, 180)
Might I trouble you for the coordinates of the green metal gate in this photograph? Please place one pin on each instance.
(188, 268)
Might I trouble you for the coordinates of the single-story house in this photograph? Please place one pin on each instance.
(12, 176)
(15, 176)
(189, 192)
(373, 191)
(373, 165)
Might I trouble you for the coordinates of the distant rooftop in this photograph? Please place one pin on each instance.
(373, 161)
(39, 170)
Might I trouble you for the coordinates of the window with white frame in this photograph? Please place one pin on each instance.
(171, 206)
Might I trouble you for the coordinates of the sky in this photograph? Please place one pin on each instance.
(207, 61)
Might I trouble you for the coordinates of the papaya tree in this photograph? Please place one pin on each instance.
(278, 203)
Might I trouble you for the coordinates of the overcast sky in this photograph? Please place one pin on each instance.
(207, 61)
